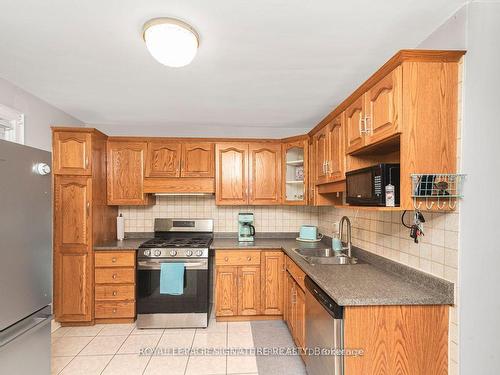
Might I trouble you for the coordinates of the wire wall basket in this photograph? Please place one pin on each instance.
(439, 191)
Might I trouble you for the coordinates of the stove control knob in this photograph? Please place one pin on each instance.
(199, 253)
(173, 253)
(157, 253)
(189, 253)
(147, 252)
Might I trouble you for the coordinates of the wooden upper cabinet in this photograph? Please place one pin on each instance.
(383, 105)
(231, 171)
(295, 157)
(249, 290)
(72, 249)
(72, 153)
(321, 148)
(126, 173)
(163, 159)
(265, 173)
(197, 159)
(354, 120)
(272, 274)
(337, 158)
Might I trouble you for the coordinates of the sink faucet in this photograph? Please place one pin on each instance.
(341, 225)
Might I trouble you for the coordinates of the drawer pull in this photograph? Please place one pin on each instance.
(249, 258)
(113, 260)
(114, 311)
(226, 259)
(114, 276)
(115, 293)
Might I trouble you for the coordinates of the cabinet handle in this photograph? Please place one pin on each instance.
(114, 311)
(86, 161)
(113, 260)
(88, 208)
(114, 276)
(362, 130)
(226, 259)
(115, 293)
(368, 130)
(249, 258)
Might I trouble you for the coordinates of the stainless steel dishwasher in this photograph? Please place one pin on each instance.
(324, 331)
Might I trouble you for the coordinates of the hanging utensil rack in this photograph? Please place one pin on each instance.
(437, 190)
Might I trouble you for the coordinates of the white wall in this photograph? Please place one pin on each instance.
(479, 268)
(39, 116)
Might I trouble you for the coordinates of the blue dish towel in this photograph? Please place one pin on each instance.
(172, 278)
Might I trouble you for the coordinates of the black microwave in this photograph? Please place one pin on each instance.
(366, 186)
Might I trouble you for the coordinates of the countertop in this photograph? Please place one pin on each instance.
(359, 284)
(126, 244)
(374, 281)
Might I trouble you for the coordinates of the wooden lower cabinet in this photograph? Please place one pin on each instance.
(295, 302)
(272, 282)
(397, 340)
(115, 286)
(249, 290)
(226, 281)
(248, 284)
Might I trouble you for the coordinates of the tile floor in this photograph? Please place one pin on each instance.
(115, 349)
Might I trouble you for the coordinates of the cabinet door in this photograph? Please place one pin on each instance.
(163, 159)
(321, 155)
(300, 308)
(272, 269)
(226, 291)
(291, 312)
(383, 103)
(265, 173)
(126, 173)
(73, 262)
(71, 153)
(355, 125)
(311, 193)
(337, 158)
(197, 159)
(231, 173)
(249, 290)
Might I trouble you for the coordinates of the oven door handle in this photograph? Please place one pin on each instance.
(156, 265)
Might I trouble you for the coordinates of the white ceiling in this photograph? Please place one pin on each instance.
(274, 65)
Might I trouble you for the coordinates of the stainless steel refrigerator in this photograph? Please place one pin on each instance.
(25, 259)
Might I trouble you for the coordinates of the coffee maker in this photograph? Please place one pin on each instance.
(246, 230)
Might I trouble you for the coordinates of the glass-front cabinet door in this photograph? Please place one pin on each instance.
(295, 172)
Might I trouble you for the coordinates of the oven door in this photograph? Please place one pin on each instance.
(156, 310)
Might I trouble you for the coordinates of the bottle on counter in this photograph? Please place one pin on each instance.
(336, 243)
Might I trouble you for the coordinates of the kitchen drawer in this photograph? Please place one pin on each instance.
(237, 258)
(115, 259)
(295, 271)
(114, 292)
(115, 275)
(114, 310)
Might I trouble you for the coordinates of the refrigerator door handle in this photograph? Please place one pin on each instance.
(22, 327)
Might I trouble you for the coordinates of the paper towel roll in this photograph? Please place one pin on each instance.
(120, 227)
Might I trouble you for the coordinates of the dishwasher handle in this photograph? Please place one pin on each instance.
(336, 311)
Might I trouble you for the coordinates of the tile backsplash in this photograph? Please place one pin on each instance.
(267, 218)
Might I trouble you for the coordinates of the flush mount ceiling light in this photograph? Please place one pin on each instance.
(170, 41)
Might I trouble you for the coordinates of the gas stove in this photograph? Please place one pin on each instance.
(179, 238)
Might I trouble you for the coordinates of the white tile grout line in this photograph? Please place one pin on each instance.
(114, 355)
(72, 359)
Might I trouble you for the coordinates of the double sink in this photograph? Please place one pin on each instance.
(324, 256)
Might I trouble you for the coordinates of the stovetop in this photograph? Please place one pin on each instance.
(177, 242)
